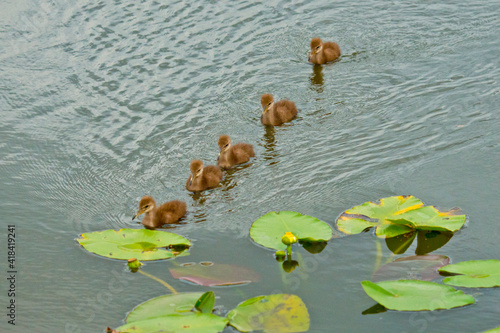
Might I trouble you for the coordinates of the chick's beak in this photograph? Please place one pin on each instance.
(139, 212)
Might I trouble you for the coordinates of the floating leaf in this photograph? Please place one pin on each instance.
(370, 214)
(494, 330)
(476, 274)
(205, 304)
(214, 274)
(414, 295)
(429, 218)
(164, 305)
(270, 228)
(398, 215)
(273, 313)
(142, 244)
(174, 323)
(413, 267)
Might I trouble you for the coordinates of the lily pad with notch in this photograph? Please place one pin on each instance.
(277, 313)
(143, 244)
(415, 295)
(398, 215)
(269, 229)
(473, 274)
(184, 312)
(192, 322)
(164, 305)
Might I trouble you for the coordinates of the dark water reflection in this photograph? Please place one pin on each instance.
(317, 79)
(427, 241)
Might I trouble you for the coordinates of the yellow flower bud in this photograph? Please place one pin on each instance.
(289, 239)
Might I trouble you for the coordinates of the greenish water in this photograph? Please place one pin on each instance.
(104, 102)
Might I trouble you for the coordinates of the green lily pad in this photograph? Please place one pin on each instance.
(493, 330)
(415, 295)
(474, 274)
(429, 218)
(398, 215)
(270, 228)
(214, 274)
(143, 244)
(193, 322)
(164, 305)
(273, 313)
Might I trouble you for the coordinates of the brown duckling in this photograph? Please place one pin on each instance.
(155, 217)
(203, 178)
(276, 113)
(231, 155)
(321, 53)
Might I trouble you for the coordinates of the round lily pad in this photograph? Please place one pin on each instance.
(164, 305)
(473, 274)
(192, 322)
(270, 228)
(415, 295)
(272, 313)
(143, 244)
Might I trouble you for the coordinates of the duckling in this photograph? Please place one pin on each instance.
(232, 155)
(276, 113)
(155, 217)
(321, 53)
(203, 178)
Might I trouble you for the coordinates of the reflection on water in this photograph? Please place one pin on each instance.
(270, 144)
(316, 78)
(377, 308)
(313, 247)
(427, 241)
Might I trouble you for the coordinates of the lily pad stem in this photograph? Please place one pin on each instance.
(169, 287)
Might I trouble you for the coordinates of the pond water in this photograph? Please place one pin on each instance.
(104, 102)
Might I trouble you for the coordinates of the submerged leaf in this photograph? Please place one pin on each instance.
(143, 244)
(269, 229)
(476, 274)
(414, 295)
(412, 267)
(214, 274)
(273, 313)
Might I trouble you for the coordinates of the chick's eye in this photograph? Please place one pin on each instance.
(317, 47)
